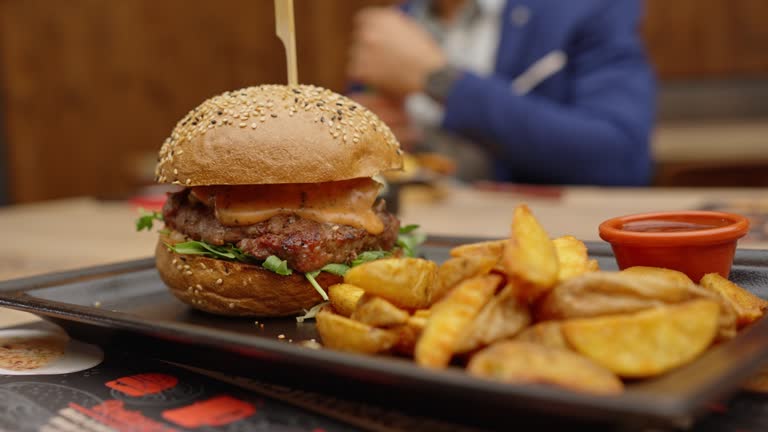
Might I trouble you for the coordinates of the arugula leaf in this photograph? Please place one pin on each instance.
(146, 220)
(277, 265)
(408, 229)
(337, 269)
(409, 240)
(370, 256)
(311, 278)
(227, 252)
(311, 313)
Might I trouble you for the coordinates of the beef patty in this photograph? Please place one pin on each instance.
(306, 245)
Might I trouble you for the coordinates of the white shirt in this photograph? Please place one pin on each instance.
(470, 43)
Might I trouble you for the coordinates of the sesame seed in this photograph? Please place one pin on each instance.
(198, 286)
(219, 281)
(231, 305)
(281, 336)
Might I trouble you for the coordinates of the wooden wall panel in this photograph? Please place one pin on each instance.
(691, 39)
(91, 87)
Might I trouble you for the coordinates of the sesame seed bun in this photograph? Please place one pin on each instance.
(273, 134)
(233, 288)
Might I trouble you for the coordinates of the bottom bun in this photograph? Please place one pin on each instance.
(236, 289)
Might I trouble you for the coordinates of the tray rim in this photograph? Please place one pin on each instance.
(674, 410)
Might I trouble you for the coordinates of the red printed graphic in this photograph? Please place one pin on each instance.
(217, 411)
(143, 384)
(112, 413)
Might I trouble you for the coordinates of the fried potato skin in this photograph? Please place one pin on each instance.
(343, 334)
(455, 270)
(646, 343)
(748, 307)
(408, 335)
(377, 312)
(344, 298)
(493, 248)
(524, 362)
(450, 317)
(406, 282)
(547, 333)
(678, 277)
(572, 257)
(502, 317)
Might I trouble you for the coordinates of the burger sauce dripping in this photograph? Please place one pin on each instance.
(347, 202)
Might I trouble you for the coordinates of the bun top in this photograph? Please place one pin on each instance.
(273, 134)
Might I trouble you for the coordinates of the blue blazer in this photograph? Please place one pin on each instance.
(590, 123)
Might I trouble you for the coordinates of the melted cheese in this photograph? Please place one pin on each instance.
(347, 202)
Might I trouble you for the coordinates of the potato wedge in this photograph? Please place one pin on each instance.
(524, 362)
(749, 307)
(343, 334)
(547, 333)
(530, 255)
(406, 282)
(502, 317)
(377, 312)
(408, 335)
(493, 248)
(455, 270)
(572, 257)
(605, 293)
(344, 298)
(677, 277)
(728, 317)
(631, 290)
(646, 343)
(450, 316)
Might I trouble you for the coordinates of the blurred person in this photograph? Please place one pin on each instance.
(527, 91)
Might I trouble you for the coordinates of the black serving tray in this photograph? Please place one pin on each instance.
(126, 306)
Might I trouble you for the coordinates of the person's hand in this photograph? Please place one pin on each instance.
(392, 113)
(391, 52)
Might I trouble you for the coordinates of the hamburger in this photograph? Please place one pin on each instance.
(276, 199)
